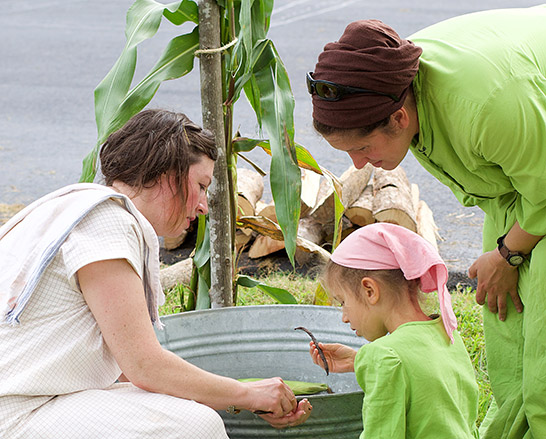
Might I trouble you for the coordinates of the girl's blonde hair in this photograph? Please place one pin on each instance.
(335, 276)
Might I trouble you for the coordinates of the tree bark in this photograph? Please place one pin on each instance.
(221, 259)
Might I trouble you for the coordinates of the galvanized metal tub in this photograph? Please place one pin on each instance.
(260, 342)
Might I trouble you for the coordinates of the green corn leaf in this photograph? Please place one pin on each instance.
(89, 166)
(244, 144)
(338, 206)
(304, 157)
(338, 212)
(176, 61)
(321, 297)
(298, 387)
(279, 294)
(274, 103)
(114, 104)
(202, 245)
(203, 287)
(143, 20)
(186, 11)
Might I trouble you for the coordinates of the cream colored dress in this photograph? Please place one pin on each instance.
(58, 377)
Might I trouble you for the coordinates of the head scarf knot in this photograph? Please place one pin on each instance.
(368, 55)
(384, 246)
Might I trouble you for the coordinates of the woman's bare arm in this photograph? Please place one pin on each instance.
(115, 295)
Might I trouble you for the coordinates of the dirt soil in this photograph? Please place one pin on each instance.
(278, 261)
(252, 267)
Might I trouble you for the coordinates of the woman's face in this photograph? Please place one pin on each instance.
(172, 217)
(381, 148)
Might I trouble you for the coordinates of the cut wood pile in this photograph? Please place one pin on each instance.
(369, 195)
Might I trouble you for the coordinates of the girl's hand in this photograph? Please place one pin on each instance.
(271, 395)
(296, 417)
(496, 280)
(340, 358)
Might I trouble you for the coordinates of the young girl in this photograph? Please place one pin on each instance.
(418, 380)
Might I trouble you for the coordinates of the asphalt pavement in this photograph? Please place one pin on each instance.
(53, 53)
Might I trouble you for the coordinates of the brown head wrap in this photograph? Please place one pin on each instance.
(368, 55)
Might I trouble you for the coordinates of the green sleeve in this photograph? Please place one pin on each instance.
(510, 132)
(380, 373)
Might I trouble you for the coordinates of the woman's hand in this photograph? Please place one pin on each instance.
(296, 417)
(496, 280)
(271, 395)
(340, 358)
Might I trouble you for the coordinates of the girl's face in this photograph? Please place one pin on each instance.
(360, 314)
(172, 217)
(380, 148)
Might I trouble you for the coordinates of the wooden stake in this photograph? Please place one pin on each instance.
(221, 260)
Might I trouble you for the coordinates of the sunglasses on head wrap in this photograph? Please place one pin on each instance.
(330, 91)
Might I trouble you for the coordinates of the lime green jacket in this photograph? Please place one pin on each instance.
(481, 101)
(417, 385)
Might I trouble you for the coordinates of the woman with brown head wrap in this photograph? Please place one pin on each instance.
(468, 97)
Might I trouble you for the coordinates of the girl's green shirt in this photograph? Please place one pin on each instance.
(417, 385)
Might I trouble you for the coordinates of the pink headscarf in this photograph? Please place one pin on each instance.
(384, 246)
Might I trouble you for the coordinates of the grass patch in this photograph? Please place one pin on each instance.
(468, 314)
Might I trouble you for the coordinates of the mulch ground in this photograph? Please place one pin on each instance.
(277, 261)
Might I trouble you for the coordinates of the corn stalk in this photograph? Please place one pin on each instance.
(251, 65)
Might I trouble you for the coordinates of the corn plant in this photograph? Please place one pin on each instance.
(250, 65)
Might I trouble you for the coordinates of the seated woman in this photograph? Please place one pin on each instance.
(79, 291)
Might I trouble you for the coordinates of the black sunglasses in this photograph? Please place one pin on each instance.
(330, 91)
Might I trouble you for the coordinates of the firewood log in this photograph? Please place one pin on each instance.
(310, 184)
(263, 246)
(426, 227)
(250, 188)
(310, 230)
(267, 210)
(360, 212)
(392, 200)
(178, 273)
(353, 182)
(242, 237)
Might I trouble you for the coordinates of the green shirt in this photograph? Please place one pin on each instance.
(481, 100)
(417, 385)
